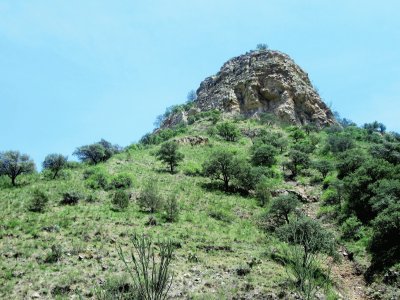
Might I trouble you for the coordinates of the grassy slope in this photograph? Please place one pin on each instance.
(90, 232)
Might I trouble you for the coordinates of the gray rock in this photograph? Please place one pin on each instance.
(258, 82)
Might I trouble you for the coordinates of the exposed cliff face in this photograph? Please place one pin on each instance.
(262, 81)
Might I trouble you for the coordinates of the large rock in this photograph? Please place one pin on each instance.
(264, 81)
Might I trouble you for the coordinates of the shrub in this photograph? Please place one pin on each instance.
(263, 192)
(265, 155)
(297, 160)
(171, 208)
(121, 181)
(55, 163)
(308, 238)
(150, 277)
(96, 178)
(331, 197)
(339, 143)
(352, 229)
(384, 245)
(228, 131)
(120, 200)
(71, 198)
(55, 254)
(38, 201)
(118, 288)
(150, 198)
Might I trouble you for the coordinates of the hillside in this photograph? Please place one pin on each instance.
(233, 239)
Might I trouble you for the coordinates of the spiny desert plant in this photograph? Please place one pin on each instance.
(150, 273)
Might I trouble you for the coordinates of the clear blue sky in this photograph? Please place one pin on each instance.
(73, 71)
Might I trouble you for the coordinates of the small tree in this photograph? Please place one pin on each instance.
(221, 166)
(228, 131)
(283, 206)
(265, 155)
(324, 167)
(191, 96)
(262, 47)
(55, 163)
(169, 154)
(297, 160)
(13, 164)
(297, 134)
(96, 153)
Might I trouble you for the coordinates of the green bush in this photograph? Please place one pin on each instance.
(115, 288)
(55, 254)
(352, 229)
(150, 198)
(263, 192)
(384, 245)
(264, 155)
(171, 208)
(228, 131)
(96, 178)
(71, 198)
(38, 202)
(307, 239)
(120, 200)
(121, 181)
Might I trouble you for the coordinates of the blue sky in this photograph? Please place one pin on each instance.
(72, 72)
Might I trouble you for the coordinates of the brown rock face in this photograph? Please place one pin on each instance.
(264, 81)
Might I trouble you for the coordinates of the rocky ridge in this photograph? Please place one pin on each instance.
(257, 82)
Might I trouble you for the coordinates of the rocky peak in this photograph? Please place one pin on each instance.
(258, 82)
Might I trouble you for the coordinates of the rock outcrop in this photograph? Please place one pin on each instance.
(262, 82)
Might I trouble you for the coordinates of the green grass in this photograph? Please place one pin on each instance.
(219, 229)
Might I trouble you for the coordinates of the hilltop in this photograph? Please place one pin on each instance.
(262, 81)
(239, 193)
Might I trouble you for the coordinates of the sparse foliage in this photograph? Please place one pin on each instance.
(150, 277)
